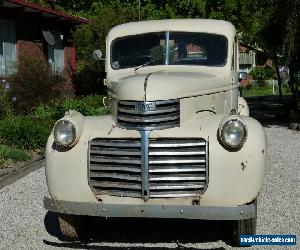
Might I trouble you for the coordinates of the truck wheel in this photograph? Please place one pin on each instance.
(71, 226)
(247, 226)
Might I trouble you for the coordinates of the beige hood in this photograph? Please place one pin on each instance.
(164, 85)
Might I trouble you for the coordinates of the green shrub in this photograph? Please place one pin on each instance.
(263, 73)
(5, 102)
(90, 105)
(11, 153)
(53, 110)
(25, 132)
(34, 83)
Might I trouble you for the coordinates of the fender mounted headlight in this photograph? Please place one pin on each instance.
(64, 133)
(233, 133)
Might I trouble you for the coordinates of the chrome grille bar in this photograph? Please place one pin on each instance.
(165, 114)
(149, 168)
(178, 167)
(115, 167)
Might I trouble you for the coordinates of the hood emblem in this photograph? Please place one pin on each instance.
(145, 106)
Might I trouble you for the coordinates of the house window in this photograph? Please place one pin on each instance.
(56, 56)
(7, 47)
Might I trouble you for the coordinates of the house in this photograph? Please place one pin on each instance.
(249, 58)
(31, 29)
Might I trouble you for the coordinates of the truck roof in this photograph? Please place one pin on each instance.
(185, 25)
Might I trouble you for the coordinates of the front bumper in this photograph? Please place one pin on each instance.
(151, 211)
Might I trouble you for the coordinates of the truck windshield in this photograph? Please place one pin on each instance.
(169, 48)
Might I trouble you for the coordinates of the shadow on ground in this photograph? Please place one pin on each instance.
(269, 110)
(118, 231)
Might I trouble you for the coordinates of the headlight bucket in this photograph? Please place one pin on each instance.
(64, 133)
(233, 132)
(67, 131)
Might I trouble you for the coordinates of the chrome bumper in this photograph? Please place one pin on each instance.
(151, 211)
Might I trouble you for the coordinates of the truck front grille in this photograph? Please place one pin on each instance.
(178, 167)
(115, 167)
(164, 114)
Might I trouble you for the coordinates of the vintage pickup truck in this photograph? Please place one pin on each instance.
(179, 142)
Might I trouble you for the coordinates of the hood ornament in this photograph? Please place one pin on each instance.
(145, 86)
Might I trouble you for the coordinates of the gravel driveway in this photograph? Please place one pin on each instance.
(23, 218)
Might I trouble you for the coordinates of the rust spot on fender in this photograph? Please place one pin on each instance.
(111, 129)
(196, 202)
(243, 165)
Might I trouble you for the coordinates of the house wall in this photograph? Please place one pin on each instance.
(30, 41)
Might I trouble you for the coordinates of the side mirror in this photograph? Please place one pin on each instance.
(97, 55)
(243, 76)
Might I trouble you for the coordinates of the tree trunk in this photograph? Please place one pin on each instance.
(277, 73)
(292, 81)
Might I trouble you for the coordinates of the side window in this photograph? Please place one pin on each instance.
(236, 46)
(234, 65)
(56, 55)
(7, 47)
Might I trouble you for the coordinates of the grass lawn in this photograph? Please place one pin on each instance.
(264, 91)
(12, 154)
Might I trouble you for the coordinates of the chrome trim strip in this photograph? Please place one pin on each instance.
(150, 112)
(147, 119)
(167, 47)
(137, 127)
(145, 163)
(151, 211)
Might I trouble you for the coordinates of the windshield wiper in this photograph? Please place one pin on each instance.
(145, 64)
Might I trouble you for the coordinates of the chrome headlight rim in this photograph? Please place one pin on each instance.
(73, 128)
(221, 133)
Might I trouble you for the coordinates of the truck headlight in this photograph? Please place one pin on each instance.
(64, 133)
(233, 133)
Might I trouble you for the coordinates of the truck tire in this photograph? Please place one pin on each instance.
(71, 226)
(247, 226)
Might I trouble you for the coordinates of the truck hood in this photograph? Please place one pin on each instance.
(164, 85)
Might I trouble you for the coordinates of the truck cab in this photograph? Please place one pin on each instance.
(178, 143)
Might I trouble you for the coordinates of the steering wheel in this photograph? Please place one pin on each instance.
(141, 59)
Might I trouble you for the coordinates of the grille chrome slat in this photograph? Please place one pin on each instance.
(177, 186)
(152, 112)
(119, 160)
(135, 144)
(156, 144)
(120, 193)
(178, 167)
(178, 178)
(115, 176)
(114, 151)
(145, 120)
(119, 185)
(115, 168)
(177, 152)
(165, 114)
(179, 161)
(171, 194)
